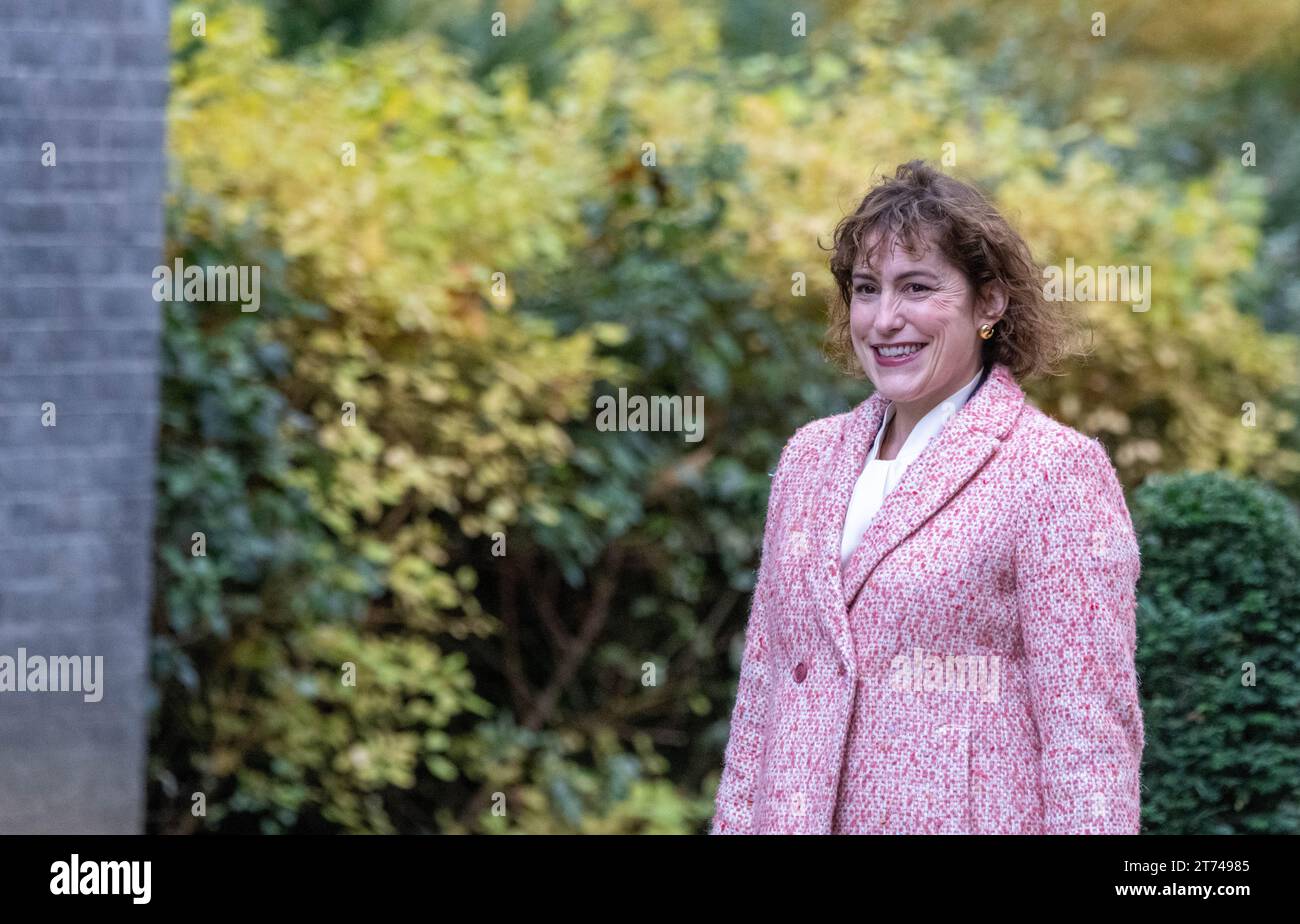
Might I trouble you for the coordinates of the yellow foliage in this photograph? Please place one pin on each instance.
(455, 394)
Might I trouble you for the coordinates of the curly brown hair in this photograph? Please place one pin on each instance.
(921, 206)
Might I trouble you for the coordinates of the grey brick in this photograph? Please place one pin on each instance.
(78, 326)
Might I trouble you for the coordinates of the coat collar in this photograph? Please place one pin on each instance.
(928, 425)
(949, 460)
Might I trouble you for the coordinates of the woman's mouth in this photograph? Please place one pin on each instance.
(896, 354)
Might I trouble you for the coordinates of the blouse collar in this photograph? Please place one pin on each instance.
(928, 425)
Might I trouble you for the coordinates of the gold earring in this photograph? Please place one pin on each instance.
(986, 331)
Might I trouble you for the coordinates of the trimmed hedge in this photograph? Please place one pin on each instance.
(1219, 596)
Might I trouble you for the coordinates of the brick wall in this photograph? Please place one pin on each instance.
(79, 328)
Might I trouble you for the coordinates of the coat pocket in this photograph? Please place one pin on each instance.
(926, 779)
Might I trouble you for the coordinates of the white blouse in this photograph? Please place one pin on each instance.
(880, 476)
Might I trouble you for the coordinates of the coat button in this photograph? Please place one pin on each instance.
(841, 669)
(800, 672)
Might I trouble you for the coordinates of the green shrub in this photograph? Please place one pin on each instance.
(1218, 597)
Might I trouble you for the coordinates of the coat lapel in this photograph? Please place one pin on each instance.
(947, 462)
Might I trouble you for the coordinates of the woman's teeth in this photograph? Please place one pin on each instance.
(888, 351)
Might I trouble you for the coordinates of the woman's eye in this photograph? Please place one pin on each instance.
(864, 288)
(918, 287)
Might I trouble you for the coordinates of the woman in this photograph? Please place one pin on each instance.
(942, 632)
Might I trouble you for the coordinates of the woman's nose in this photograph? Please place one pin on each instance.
(887, 317)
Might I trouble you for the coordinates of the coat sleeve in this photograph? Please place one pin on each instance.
(734, 809)
(1077, 566)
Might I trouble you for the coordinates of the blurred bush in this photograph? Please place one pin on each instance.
(376, 418)
(1219, 656)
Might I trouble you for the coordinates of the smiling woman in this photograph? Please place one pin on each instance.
(944, 519)
(947, 249)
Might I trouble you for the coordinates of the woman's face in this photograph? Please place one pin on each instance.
(924, 305)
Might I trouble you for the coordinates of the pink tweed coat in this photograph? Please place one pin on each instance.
(971, 671)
